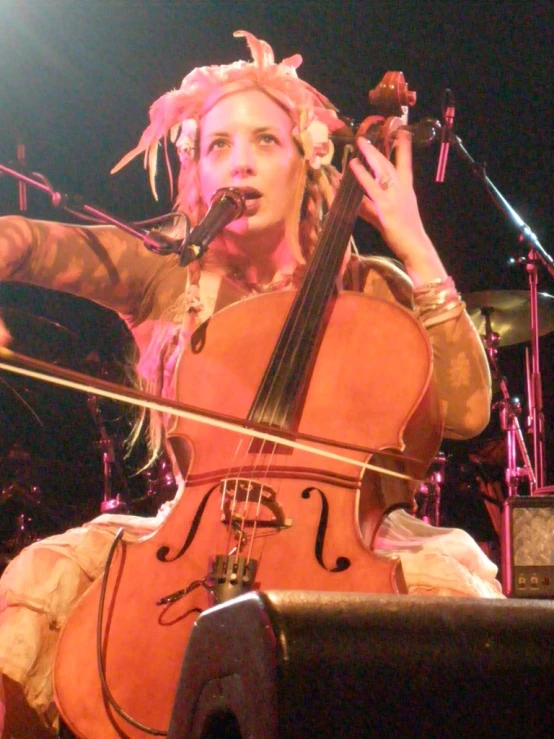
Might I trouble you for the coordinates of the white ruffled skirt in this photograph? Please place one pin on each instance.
(40, 586)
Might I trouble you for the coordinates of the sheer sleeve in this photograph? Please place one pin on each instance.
(462, 374)
(460, 363)
(101, 263)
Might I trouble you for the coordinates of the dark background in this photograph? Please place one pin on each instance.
(76, 81)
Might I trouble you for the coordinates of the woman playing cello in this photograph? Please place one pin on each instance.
(254, 126)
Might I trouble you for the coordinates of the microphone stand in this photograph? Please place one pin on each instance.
(228, 203)
(536, 253)
(152, 240)
(509, 410)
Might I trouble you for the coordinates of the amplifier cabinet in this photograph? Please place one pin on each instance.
(528, 547)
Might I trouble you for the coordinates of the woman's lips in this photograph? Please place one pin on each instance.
(251, 199)
(250, 193)
(251, 205)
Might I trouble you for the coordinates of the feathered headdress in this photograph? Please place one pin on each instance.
(175, 115)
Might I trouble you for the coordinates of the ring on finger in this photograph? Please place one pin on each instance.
(385, 182)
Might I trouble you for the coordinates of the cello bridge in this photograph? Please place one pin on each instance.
(249, 502)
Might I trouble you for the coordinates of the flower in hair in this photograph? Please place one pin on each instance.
(313, 135)
(186, 141)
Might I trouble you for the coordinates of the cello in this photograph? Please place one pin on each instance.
(255, 514)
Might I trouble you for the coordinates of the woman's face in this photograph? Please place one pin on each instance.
(246, 142)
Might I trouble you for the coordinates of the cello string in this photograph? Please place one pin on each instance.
(325, 263)
(249, 502)
(259, 504)
(240, 535)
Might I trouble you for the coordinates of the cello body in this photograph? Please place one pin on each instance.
(304, 522)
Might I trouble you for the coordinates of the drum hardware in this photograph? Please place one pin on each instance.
(111, 503)
(536, 412)
(24, 499)
(161, 487)
(160, 480)
(23, 530)
(428, 494)
(504, 318)
(519, 316)
(509, 410)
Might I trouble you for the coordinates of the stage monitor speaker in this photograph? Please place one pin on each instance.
(301, 665)
(528, 547)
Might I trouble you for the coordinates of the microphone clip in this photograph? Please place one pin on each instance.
(190, 252)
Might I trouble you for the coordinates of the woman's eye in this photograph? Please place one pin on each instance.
(268, 138)
(217, 144)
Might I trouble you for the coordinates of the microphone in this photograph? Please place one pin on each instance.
(227, 205)
(424, 132)
(383, 132)
(449, 112)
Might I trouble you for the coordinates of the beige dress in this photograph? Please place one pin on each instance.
(162, 304)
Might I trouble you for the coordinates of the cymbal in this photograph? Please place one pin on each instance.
(510, 313)
(40, 337)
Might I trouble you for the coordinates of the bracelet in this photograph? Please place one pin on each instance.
(435, 294)
(437, 301)
(447, 313)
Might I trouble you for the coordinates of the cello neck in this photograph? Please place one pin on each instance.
(279, 397)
